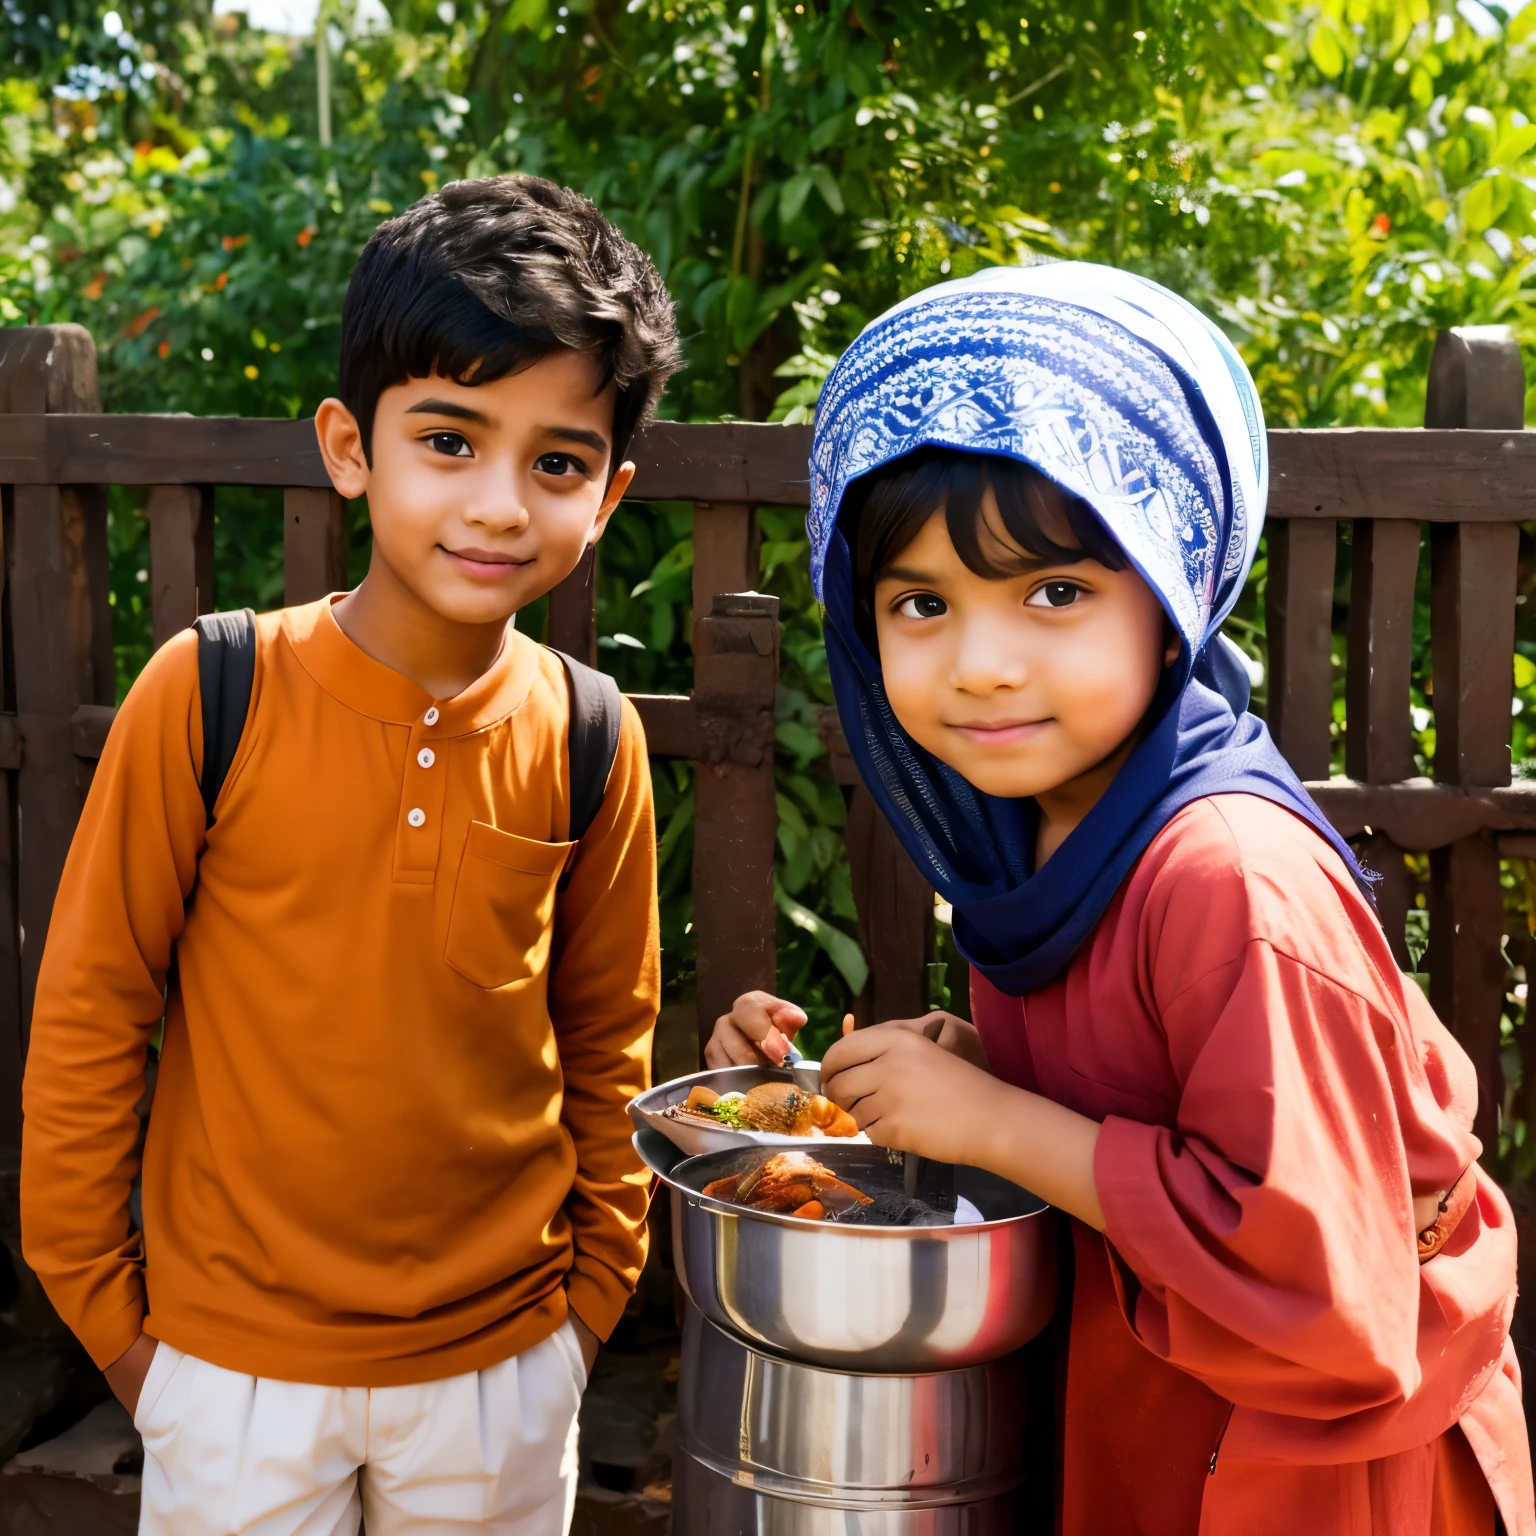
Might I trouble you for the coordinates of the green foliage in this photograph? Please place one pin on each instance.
(1334, 180)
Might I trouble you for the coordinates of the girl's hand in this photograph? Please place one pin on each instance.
(910, 1092)
(946, 1031)
(757, 1030)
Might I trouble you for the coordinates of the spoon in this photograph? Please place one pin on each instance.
(807, 1074)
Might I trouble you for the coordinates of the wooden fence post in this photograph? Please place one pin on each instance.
(61, 649)
(1475, 380)
(1299, 620)
(735, 808)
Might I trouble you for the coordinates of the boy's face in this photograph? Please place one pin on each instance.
(483, 497)
(1024, 684)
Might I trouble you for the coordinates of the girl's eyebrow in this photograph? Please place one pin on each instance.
(1026, 566)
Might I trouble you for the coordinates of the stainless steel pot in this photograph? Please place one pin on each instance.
(857, 1441)
(706, 1503)
(889, 1300)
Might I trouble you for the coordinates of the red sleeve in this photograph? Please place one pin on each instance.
(1265, 1240)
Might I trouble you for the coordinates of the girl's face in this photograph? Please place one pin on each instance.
(1023, 684)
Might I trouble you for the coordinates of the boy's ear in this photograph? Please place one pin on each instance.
(622, 477)
(341, 446)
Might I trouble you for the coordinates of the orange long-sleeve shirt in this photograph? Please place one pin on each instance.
(388, 1141)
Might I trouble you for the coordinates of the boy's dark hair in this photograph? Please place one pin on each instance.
(883, 512)
(484, 278)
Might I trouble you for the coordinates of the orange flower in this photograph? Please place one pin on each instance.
(220, 281)
(92, 289)
(164, 349)
(141, 323)
(144, 148)
(305, 235)
(234, 242)
(1381, 226)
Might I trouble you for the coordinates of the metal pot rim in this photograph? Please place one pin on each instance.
(860, 1497)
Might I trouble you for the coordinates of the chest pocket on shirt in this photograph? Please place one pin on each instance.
(503, 906)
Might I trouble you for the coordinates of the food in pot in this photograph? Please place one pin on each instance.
(782, 1108)
(789, 1184)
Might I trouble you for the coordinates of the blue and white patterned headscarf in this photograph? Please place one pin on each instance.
(1128, 397)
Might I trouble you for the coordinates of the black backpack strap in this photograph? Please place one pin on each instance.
(226, 674)
(594, 740)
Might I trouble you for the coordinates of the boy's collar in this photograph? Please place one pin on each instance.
(355, 679)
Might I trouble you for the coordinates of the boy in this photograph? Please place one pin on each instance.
(389, 1201)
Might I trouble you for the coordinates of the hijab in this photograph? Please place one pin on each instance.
(1129, 398)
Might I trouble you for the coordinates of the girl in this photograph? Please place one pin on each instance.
(1035, 497)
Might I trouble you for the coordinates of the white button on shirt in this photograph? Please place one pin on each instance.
(431, 717)
(426, 757)
(417, 817)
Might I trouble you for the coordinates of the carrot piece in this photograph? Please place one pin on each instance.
(812, 1210)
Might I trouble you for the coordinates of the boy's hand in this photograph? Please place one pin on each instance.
(126, 1374)
(909, 1092)
(758, 1029)
(589, 1341)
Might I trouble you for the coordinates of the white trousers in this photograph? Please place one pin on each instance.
(233, 1455)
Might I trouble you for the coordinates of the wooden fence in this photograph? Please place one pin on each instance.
(1471, 475)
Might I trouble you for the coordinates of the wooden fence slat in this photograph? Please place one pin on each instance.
(670, 720)
(51, 613)
(1473, 573)
(1328, 473)
(1476, 381)
(314, 544)
(11, 1023)
(735, 815)
(1299, 614)
(895, 907)
(61, 659)
(724, 552)
(573, 611)
(1442, 475)
(1466, 965)
(180, 557)
(670, 724)
(1378, 742)
(734, 461)
(735, 808)
(98, 572)
(1381, 855)
(1419, 814)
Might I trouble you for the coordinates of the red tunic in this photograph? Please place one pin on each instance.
(1274, 1094)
